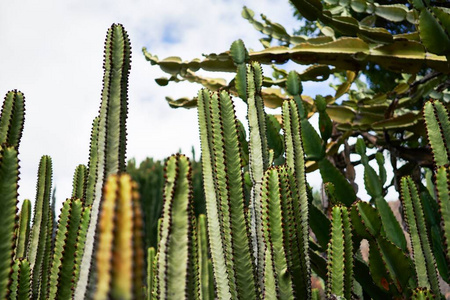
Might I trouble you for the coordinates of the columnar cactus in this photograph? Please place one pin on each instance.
(424, 261)
(340, 255)
(119, 257)
(9, 176)
(177, 264)
(223, 183)
(108, 140)
(23, 231)
(61, 281)
(38, 240)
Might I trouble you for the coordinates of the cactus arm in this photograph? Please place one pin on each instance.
(274, 204)
(348, 255)
(105, 244)
(229, 180)
(295, 159)
(214, 226)
(79, 182)
(111, 138)
(443, 191)
(116, 256)
(270, 286)
(12, 118)
(81, 237)
(203, 259)
(89, 193)
(23, 231)
(424, 261)
(20, 286)
(44, 278)
(258, 154)
(438, 130)
(433, 220)
(340, 254)
(61, 271)
(9, 176)
(137, 241)
(173, 248)
(150, 272)
(38, 233)
(239, 55)
(335, 253)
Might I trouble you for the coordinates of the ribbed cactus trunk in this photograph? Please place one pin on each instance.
(108, 141)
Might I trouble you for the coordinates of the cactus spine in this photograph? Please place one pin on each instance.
(110, 140)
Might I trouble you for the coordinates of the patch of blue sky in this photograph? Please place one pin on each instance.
(171, 34)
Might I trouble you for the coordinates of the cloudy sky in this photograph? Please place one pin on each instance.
(52, 51)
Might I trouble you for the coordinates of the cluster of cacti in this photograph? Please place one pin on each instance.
(262, 237)
(95, 250)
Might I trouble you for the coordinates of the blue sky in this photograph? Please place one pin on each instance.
(53, 51)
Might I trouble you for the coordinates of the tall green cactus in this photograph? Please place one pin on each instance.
(12, 118)
(424, 260)
(61, 282)
(258, 156)
(110, 140)
(119, 256)
(279, 229)
(340, 255)
(176, 250)
(296, 161)
(20, 280)
(9, 177)
(223, 183)
(39, 231)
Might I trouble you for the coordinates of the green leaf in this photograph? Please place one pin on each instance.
(432, 34)
(343, 190)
